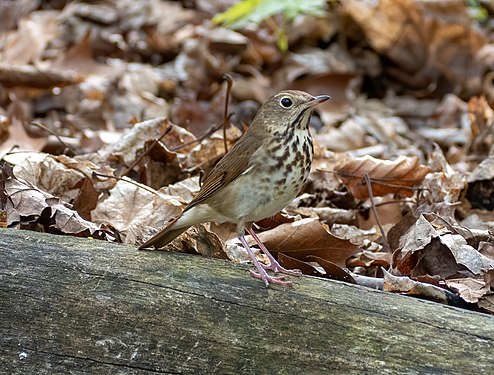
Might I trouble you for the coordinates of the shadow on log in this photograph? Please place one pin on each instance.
(79, 306)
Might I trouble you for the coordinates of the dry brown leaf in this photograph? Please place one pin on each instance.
(128, 145)
(487, 303)
(426, 250)
(332, 271)
(3, 219)
(69, 179)
(337, 85)
(18, 136)
(160, 166)
(487, 249)
(480, 189)
(27, 43)
(370, 259)
(425, 40)
(350, 135)
(130, 204)
(403, 284)
(414, 239)
(201, 240)
(388, 209)
(209, 152)
(294, 263)
(275, 220)
(308, 237)
(470, 289)
(37, 77)
(398, 176)
(166, 36)
(27, 203)
(363, 238)
(79, 59)
(466, 255)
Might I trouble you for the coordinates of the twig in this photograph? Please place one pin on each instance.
(376, 181)
(39, 125)
(374, 211)
(201, 138)
(395, 201)
(130, 181)
(138, 160)
(226, 119)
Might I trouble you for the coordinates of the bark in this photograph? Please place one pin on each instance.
(81, 306)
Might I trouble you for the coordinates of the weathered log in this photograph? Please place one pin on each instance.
(81, 306)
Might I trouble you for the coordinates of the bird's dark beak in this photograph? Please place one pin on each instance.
(318, 100)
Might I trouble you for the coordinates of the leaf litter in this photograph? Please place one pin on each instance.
(110, 116)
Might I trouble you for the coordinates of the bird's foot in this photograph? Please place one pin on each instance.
(264, 276)
(277, 268)
(273, 263)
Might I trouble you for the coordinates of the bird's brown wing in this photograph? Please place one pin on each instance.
(235, 162)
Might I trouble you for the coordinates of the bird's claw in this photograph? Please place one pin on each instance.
(277, 268)
(280, 280)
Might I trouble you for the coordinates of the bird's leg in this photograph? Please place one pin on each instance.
(261, 272)
(273, 263)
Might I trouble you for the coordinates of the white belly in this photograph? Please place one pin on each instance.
(257, 199)
(264, 189)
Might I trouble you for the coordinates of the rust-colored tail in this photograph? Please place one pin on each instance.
(165, 236)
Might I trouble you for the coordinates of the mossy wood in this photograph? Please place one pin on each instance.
(81, 306)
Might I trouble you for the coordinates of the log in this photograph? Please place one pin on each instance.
(83, 306)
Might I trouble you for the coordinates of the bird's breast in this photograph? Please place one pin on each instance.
(275, 176)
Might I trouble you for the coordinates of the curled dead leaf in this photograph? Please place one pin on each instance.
(470, 289)
(308, 237)
(399, 176)
(27, 203)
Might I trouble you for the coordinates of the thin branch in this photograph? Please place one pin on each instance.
(374, 211)
(130, 181)
(138, 160)
(201, 138)
(226, 118)
(393, 201)
(39, 125)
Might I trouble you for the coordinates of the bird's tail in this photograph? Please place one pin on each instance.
(166, 235)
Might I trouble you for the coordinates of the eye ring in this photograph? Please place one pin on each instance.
(286, 102)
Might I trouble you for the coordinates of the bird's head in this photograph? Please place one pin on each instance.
(288, 110)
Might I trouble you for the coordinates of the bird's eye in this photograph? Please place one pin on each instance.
(286, 102)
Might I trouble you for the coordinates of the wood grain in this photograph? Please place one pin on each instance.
(81, 306)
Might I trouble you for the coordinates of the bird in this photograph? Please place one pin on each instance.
(263, 172)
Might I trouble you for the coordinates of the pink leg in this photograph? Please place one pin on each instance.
(261, 272)
(273, 263)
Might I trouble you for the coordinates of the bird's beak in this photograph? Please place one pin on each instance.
(318, 100)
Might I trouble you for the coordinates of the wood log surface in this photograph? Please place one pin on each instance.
(80, 306)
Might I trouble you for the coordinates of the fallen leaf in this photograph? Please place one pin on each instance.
(308, 237)
(398, 176)
(71, 180)
(333, 271)
(466, 255)
(470, 289)
(370, 259)
(130, 204)
(38, 77)
(407, 286)
(18, 136)
(294, 263)
(26, 202)
(28, 41)
(424, 40)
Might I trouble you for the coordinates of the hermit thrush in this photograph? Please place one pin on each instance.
(256, 178)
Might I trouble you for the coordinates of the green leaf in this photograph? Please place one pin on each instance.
(236, 12)
(256, 11)
(282, 41)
